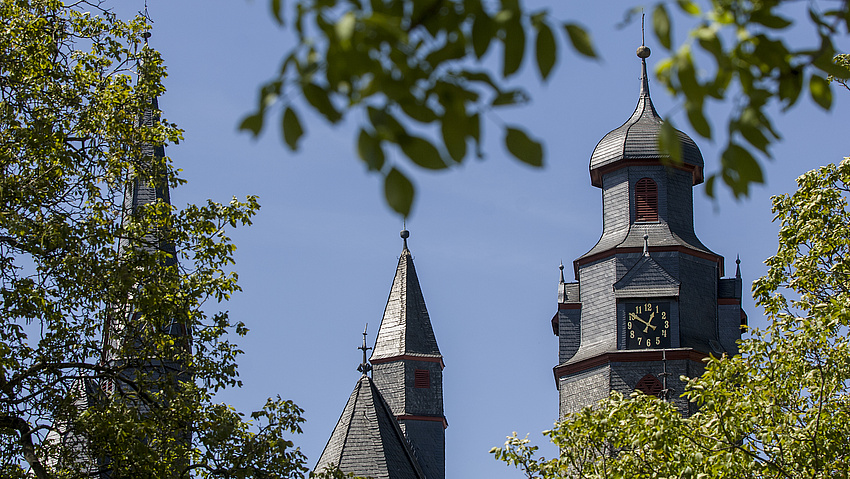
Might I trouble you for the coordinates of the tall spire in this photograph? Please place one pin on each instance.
(406, 327)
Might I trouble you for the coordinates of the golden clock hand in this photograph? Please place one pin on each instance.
(648, 323)
(634, 316)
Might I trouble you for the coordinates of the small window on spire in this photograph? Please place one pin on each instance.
(421, 379)
(646, 200)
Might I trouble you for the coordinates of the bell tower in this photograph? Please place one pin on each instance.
(649, 297)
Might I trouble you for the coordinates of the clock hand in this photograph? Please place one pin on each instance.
(649, 323)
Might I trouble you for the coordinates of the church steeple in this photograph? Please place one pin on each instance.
(408, 367)
(405, 328)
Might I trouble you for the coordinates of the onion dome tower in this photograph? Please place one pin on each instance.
(649, 297)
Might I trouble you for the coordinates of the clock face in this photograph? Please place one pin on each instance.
(647, 324)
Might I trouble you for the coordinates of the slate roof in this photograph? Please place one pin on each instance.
(367, 439)
(406, 327)
(660, 234)
(646, 279)
(637, 139)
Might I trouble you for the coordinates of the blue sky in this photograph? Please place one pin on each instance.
(487, 237)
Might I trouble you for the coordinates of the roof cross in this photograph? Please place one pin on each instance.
(364, 367)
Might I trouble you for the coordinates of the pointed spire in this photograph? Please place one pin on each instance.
(643, 53)
(364, 367)
(406, 327)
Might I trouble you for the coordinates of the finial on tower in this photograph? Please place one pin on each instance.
(562, 271)
(364, 367)
(643, 51)
(645, 244)
(404, 235)
(738, 268)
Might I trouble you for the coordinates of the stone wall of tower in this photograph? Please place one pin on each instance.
(583, 388)
(598, 318)
(698, 298)
(397, 382)
(625, 377)
(569, 333)
(428, 441)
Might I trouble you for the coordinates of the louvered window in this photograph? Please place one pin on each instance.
(646, 200)
(649, 385)
(422, 378)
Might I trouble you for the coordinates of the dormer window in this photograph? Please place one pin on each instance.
(646, 200)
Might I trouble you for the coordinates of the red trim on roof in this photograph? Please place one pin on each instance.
(617, 250)
(569, 306)
(407, 417)
(728, 301)
(626, 357)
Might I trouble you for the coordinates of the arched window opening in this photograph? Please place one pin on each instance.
(649, 385)
(646, 200)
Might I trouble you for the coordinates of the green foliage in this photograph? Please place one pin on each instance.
(754, 60)
(77, 396)
(777, 410)
(412, 70)
(420, 62)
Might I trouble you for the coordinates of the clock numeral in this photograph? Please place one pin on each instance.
(639, 340)
(666, 324)
(638, 310)
(648, 306)
(663, 313)
(658, 340)
(630, 326)
(664, 332)
(632, 334)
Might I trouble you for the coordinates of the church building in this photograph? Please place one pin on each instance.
(649, 303)
(393, 425)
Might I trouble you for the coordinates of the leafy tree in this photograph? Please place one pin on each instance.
(73, 88)
(413, 69)
(777, 410)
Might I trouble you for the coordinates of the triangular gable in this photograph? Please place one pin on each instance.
(367, 440)
(646, 279)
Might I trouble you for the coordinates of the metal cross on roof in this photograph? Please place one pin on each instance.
(364, 367)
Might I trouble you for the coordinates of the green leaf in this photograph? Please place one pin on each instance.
(688, 7)
(483, 31)
(369, 150)
(821, 93)
(740, 169)
(399, 192)
(252, 123)
(277, 11)
(698, 120)
(790, 86)
(318, 98)
(385, 124)
(661, 24)
(422, 152)
(763, 17)
(292, 130)
(454, 129)
(514, 47)
(580, 39)
(418, 111)
(523, 148)
(668, 142)
(546, 50)
(344, 28)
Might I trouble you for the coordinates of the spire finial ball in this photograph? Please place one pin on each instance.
(643, 51)
(405, 234)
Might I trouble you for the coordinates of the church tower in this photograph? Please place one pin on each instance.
(393, 425)
(649, 302)
(408, 368)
